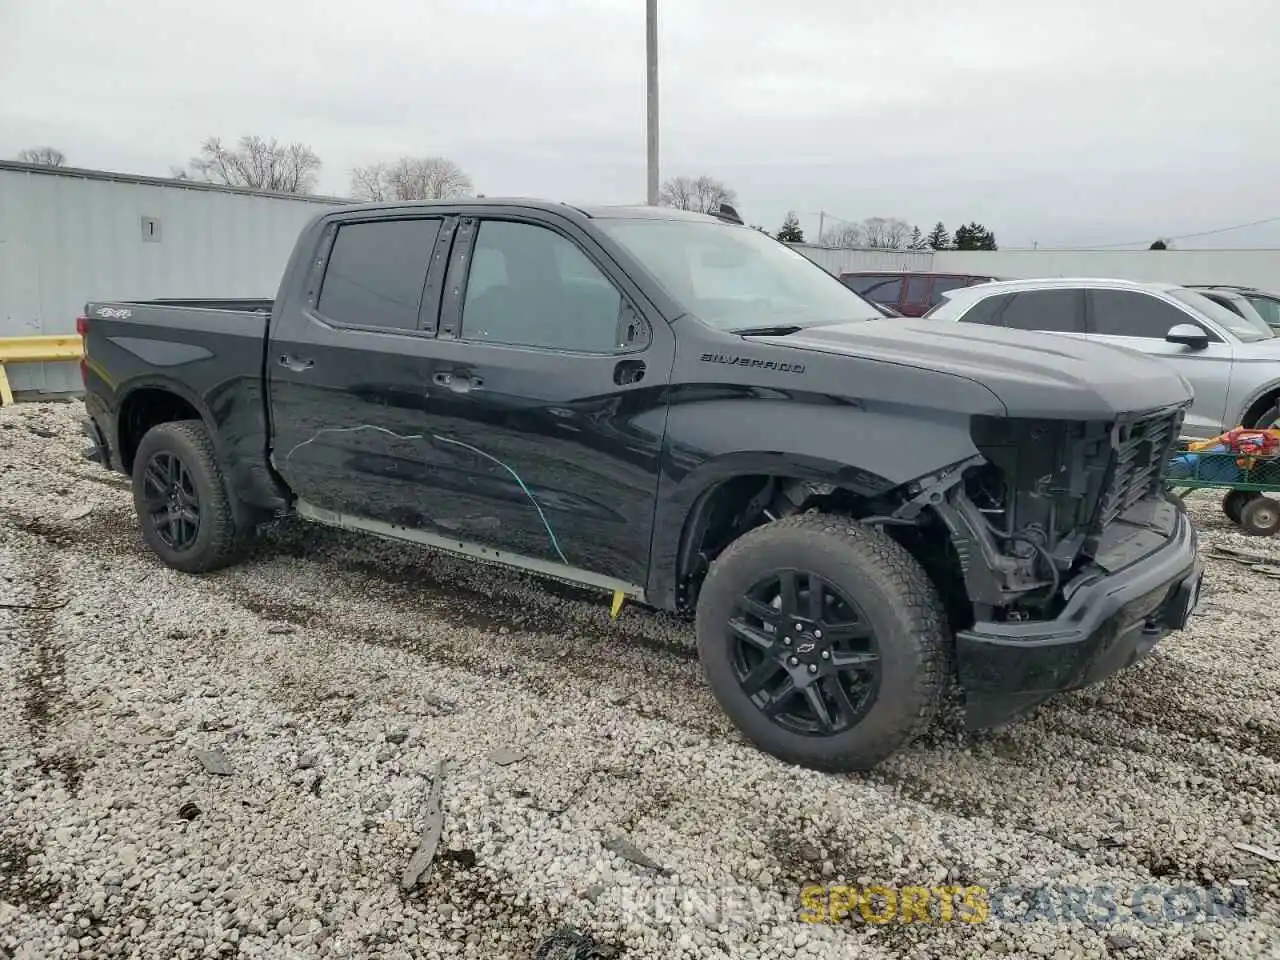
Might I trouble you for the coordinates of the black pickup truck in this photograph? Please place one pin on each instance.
(680, 410)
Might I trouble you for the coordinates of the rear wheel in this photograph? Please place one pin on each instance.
(824, 641)
(1260, 517)
(182, 502)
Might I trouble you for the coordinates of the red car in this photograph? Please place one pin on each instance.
(911, 294)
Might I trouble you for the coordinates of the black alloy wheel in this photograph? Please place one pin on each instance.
(172, 501)
(805, 654)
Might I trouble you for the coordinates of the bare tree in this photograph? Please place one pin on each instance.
(701, 194)
(411, 178)
(258, 163)
(845, 236)
(370, 183)
(887, 232)
(43, 156)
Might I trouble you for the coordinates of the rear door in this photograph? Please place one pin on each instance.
(346, 369)
(1140, 321)
(547, 399)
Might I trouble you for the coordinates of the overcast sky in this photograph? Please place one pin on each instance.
(1063, 123)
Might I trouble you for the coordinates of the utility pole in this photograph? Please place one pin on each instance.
(651, 60)
(821, 217)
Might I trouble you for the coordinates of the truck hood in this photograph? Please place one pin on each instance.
(1033, 374)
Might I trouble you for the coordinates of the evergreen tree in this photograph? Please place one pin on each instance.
(917, 241)
(974, 236)
(790, 231)
(938, 237)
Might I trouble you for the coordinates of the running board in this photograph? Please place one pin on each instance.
(464, 548)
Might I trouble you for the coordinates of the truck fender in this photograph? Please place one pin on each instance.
(868, 453)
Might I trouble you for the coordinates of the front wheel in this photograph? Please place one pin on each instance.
(182, 500)
(824, 641)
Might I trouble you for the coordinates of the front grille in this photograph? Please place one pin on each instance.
(1139, 456)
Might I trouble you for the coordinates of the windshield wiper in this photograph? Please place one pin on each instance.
(777, 330)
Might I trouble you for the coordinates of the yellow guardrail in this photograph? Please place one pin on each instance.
(43, 349)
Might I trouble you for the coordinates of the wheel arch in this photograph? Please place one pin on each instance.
(148, 402)
(1259, 403)
(719, 490)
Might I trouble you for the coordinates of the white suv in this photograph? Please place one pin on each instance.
(1231, 362)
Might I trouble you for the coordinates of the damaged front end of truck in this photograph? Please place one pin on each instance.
(1064, 559)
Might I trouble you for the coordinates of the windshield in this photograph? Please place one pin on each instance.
(737, 277)
(1245, 329)
(1267, 307)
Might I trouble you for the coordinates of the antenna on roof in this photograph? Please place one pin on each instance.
(726, 212)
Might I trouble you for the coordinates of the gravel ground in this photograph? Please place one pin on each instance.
(333, 673)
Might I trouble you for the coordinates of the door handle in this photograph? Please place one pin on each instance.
(296, 365)
(458, 382)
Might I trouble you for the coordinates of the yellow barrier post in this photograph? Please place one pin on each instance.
(41, 349)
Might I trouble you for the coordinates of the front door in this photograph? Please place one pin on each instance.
(1140, 321)
(546, 406)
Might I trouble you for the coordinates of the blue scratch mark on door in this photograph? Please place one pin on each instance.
(551, 534)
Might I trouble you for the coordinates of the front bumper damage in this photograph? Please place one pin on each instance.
(1109, 622)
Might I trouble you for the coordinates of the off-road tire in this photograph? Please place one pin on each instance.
(899, 601)
(218, 541)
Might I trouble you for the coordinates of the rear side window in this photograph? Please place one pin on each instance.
(862, 282)
(987, 311)
(886, 290)
(1051, 311)
(1125, 313)
(376, 273)
(942, 284)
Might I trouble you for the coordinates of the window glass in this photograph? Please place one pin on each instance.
(918, 289)
(1125, 313)
(942, 284)
(1267, 307)
(529, 286)
(1224, 302)
(862, 282)
(885, 291)
(376, 273)
(987, 310)
(1246, 329)
(733, 277)
(1052, 311)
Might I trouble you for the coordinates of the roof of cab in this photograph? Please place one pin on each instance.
(594, 212)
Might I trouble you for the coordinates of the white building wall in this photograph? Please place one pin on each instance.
(1259, 268)
(69, 236)
(847, 261)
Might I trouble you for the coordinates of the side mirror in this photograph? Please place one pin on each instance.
(1189, 335)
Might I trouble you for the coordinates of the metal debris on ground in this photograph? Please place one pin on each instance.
(432, 828)
(504, 757)
(188, 811)
(215, 762)
(629, 851)
(278, 628)
(1258, 852)
(567, 944)
(78, 513)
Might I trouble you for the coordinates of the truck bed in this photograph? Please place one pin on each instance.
(211, 351)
